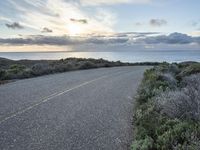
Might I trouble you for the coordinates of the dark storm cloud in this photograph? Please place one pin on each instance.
(82, 21)
(46, 30)
(157, 22)
(14, 25)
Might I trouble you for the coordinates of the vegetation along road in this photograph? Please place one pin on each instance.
(87, 109)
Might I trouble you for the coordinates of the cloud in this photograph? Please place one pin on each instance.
(107, 40)
(83, 21)
(174, 38)
(135, 34)
(152, 22)
(196, 24)
(46, 30)
(61, 40)
(5, 19)
(112, 2)
(132, 38)
(157, 22)
(138, 24)
(37, 40)
(14, 25)
(60, 16)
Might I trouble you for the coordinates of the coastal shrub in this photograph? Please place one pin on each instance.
(26, 74)
(2, 74)
(144, 144)
(63, 67)
(174, 69)
(175, 134)
(11, 69)
(192, 81)
(193, 68)
(15, 71)
(155, 81)
(86, 65)
(40, 69)
(182, 103)
(167, 110)
(169, 79)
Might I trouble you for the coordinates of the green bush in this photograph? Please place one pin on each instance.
(153, 83)
(10, 69)
(144, 144)
(193, 68)
(41, 69)
(86, 65)
(2, 74)
(15, 69)
(178, 134)
(155, 130)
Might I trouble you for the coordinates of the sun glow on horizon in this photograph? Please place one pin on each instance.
(35, 48)
(74, 29)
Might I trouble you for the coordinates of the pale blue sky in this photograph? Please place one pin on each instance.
(179, 14)
(82, 19)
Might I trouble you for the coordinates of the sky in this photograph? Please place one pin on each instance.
(99, 25)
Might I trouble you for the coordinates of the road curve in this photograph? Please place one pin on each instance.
(86, 110)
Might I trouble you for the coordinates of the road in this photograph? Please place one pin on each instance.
(86, 110)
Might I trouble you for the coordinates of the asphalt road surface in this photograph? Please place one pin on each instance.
(80, 110)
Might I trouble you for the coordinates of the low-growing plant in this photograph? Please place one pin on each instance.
(144, 144)
(16, 68)
(11, 69)
(86, 65)
(155, 81)
(2, 74)
(178, 135)
(193, 68)
(41, 68)
(182, 103)
(167, 110)
(15, 71)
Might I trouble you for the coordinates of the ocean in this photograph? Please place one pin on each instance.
(131, 56)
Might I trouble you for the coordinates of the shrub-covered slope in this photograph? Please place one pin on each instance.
(10, 69)
(167, 110)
